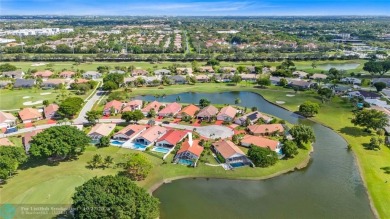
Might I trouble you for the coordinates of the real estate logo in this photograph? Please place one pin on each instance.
(7, 211)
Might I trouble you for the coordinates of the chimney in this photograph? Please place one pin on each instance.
(190, 138)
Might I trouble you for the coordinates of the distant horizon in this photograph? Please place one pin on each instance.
(214, 8)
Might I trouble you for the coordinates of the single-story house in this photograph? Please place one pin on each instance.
(228, 70)
(28, 137)
(139, 72)
(92, 75)
(171, 138)
(162, 72)
(67, 74)
(7, 120)
(202, 78)
(230, 153)
(55, 82)
(129, 132)
(249, 77)
(80, 81)
(50, 111)
(43, 74)
(227, 114)
(28, 115)
(4, 83)
(259, 141)
(184, 71)
(300, 74)
(170, 109)
(354, 81)
(384, 80)
(364, 94)
(151, 135)
(189, 110)
(24, 83)
(189, 152)
(301, 84)
(319, 76)
(116, 72)
(276, 80)
(100, 130)
(178, 79)
(206, 69)
(112, 106)
(251, 69)
(223, 77)
(207, 112)
(6, 142)
(266, 129)
(132, 105)
(152, 105)
(13, 74)
(252, 117)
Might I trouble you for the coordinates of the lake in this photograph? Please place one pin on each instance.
(339, 66)
(330, 187)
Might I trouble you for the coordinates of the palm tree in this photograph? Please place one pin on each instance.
(108, 161)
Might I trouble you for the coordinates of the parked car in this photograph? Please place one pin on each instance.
(165, 122)
(11, 130)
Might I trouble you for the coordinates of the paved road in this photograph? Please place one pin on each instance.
(88, 106)
(211, 131)
(24, 130)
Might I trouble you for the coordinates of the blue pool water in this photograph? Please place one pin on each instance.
(186, 162)
(240, 164)
(161, 149)
(140, 147)
(116, 143)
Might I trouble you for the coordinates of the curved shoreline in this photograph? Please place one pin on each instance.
(299, 166)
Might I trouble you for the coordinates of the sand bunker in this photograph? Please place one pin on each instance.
(26, 97)
(290, 95)
(38, 64)
(30, 103)
(45, 93)
(280, 102)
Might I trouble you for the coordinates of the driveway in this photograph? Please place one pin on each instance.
(211, 131)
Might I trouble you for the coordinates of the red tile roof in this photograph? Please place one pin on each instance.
(29, 113)
(194, 148)
(155, 105)
(151, 134)
(227, 148)
(29, 135)
(115, 104)
(50, 109)
(173, 136)
(265, 128)
(208, 111)
(190, 110)
(228, 111)
(45, 73)
(171, 108)
(260, 141)
(67, 73)
(131, 130)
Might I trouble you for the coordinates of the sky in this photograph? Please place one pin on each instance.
(195, 7)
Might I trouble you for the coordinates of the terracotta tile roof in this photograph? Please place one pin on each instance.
(45, 73)
(67, 73)
(6, 116)
(155, 105)
(227, 148)
(131, 105)
(131, 130)
(80, 81)
(50, 109)
(6, 142)
(173, 136)
(28, 137)
(260, 141)
(29, 113)
(151, 134)
(115, 104)
(190, 110)
(265, 128)
(171, 108)
(194, 148)
(208, 111)
(228, 111)
(102, 129)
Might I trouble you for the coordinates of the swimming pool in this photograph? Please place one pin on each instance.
(235, 165)
(137, 146)
(161, 149)
(186, 162)
(116, 142)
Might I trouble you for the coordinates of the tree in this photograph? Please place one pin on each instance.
(325, 93)
(309, 108)
(152, 113)
(96, 162)
(262, 157)
(283, 82)
(302, 134)
(212, 62)
(70, 106)
(204, 102)
(10, 159)
(109, 86)
(289, 149)
(116, 196)
(236, 79)
(7, 67)
(370, 119)
(104, 142)
(118, 79)
(334, 74)
(375, 143)
(45, 102)
(314, 64)
(93, 116)
(237, 101)
(373, 67)
(135, 115)
(264, 81)
(380, 86)
(59, 141)
(138, 167)
(108, 160)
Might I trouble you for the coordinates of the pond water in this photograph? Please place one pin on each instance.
(339, 66)
(330, 187)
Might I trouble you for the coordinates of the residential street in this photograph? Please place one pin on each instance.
(88, 106)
